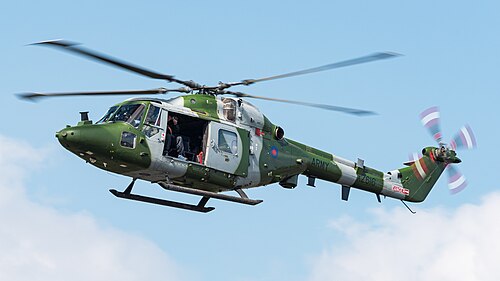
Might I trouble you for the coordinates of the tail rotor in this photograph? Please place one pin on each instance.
(456, 181)
(464, 139)
(430, 119)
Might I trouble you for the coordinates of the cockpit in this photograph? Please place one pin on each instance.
(130, 113)
(152, 121)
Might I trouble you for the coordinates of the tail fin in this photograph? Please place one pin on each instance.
(421, 176)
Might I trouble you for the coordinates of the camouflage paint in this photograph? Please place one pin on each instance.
(205, 106)
(100, 146)
(264, 158)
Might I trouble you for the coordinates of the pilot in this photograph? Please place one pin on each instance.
(173, 134)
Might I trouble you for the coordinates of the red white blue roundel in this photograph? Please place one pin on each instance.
(273, 152)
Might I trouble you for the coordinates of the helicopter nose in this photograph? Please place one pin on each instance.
(69, 137)
(87, 142)
(72, 138)
(80, 139)
(101, 145)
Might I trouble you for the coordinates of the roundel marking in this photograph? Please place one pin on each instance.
(274, 152)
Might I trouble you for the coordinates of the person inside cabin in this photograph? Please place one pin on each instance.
(173, 136)
(199, 156)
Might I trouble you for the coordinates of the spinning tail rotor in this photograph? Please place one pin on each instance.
(430, 119)
(464, 139)
(456, 181)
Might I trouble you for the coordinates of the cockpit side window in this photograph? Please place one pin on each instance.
(153, 116)
(107, 115)
(153, 121)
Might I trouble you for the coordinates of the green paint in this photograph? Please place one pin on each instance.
(268, 127)
(100, 146)
(420, 187)
(369, 179)
(319, 164)
(201, 177)
(242, 169)
(204, 105)
(122, 148)
(322, 168)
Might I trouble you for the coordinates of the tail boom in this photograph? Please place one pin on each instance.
(411, 183)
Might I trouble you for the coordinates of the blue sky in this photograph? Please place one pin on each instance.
(450, 60)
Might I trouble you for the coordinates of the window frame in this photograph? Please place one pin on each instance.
(148, 128)
(134, 142)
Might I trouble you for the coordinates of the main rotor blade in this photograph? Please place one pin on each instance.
(353, 111)
(360, 60)
(74, 48)
(35, 96)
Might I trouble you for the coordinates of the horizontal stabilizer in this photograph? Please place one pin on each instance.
(408, 163)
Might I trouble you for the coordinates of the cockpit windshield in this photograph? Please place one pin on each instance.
(107, 115)
(130, 113)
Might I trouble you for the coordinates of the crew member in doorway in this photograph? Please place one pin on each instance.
(173, 136)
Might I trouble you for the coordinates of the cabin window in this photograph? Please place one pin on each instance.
(107, 115)
(128, 140)
(229, 109)
(228, 142)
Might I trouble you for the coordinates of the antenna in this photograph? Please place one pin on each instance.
(407, 207)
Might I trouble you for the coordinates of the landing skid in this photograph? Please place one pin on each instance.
(206, 195)
(198, 208)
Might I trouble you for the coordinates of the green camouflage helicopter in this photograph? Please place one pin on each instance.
(211, 140)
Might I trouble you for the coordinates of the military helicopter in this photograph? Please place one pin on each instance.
(212, 140)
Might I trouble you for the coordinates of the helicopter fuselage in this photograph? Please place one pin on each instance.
(205, 143)
(227, 144)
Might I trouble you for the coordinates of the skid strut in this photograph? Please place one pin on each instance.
(243, 199)
(200, 207)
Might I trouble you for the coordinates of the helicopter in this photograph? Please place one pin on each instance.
(211, 140)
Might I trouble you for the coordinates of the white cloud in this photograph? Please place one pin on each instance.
(435, 244)
(41, 243)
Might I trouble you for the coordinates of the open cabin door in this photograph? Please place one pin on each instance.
(227, 149)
